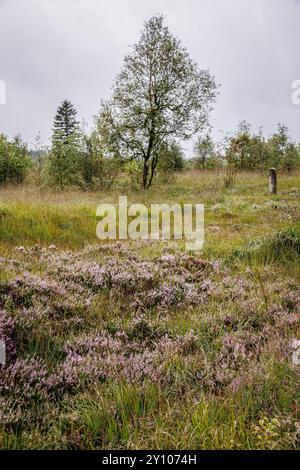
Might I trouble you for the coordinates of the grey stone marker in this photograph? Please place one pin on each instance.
(2, 353)
(273, 181)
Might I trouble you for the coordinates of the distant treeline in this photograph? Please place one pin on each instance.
(245, 150)
(77, 159)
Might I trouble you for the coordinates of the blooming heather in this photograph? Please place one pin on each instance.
(62, 335)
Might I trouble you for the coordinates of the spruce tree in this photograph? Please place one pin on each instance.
(65, 125)
(64, 160)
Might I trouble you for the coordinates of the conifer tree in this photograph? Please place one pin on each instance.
(65, 125)
(64, 160)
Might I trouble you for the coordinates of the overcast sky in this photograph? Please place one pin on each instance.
(56, 49)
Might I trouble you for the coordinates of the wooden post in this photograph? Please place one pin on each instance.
(273, 181)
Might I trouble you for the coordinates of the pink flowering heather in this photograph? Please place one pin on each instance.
(8, 335)
(105, 315)
(24, 380)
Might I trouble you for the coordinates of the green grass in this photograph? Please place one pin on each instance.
(234, 217)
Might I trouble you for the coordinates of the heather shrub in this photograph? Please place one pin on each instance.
(102, 343)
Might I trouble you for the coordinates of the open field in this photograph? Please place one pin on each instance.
(233, 216)
(141, 345)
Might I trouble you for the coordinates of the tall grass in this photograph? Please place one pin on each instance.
(234, 217)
